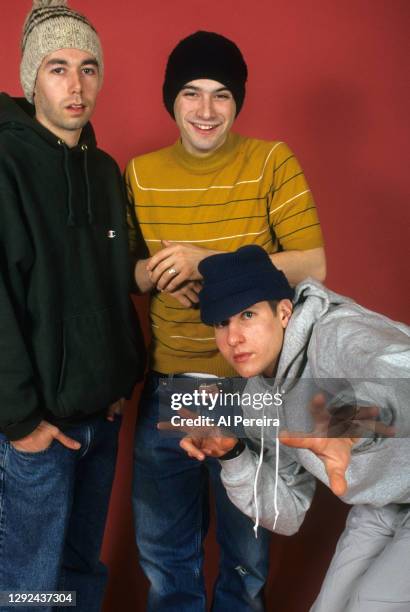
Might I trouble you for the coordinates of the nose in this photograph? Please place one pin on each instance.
(206, 110)
(75, 84)
(235, 335)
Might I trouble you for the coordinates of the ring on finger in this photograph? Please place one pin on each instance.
(172, 271)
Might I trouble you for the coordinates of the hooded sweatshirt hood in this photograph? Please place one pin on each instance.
(312, 301)
(18, 116)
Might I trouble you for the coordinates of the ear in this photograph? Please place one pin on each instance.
(284, 311)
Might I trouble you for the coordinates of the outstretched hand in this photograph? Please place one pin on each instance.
(334, 452)
(326, 440)
(201, 441)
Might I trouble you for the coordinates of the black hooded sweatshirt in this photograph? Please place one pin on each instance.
(70, 343)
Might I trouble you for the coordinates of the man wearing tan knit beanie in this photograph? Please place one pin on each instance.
(51, 26)
(70, 347)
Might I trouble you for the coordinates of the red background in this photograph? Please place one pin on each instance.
(327, 77)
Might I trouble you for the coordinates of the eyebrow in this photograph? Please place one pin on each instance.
(62, 62)
(219, 89)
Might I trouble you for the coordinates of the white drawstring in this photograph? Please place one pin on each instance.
(275, 495)
(255, 484)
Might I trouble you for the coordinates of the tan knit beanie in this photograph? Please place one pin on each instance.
(50, 26)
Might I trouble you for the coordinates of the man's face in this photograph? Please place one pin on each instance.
(65, 92)
(204, 111)
(251, 341)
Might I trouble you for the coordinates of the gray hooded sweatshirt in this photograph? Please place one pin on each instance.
(358, 357)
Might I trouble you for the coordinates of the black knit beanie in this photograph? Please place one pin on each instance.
(205, 55)
(233, 281)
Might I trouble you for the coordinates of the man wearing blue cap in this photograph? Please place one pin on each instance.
(296, 343)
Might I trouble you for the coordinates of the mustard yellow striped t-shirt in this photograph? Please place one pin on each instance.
(248, 192)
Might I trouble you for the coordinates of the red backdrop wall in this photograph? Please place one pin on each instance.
(329, 78)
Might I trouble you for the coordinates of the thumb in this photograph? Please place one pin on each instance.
(296, 440)
(66, 441)
(166, 243)
(337, 481)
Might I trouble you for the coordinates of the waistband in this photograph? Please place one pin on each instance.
(192, 375)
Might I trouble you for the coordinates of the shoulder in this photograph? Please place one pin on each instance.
(105, 158)
(15, 155)
(278, 147)
(13, 142)
(273, 153)
(150, 160)
(350, 318)
(351, 339)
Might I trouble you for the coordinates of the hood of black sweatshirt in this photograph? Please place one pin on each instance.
(19, 114)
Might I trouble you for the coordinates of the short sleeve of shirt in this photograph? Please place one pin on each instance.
(137, 245)
(292, 211)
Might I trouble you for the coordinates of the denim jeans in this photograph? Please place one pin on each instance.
(53, 508)
(170, 498)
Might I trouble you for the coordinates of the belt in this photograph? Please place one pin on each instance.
(193, 376)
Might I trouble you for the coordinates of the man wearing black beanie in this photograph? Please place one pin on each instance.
(210, 192)
(211, 56)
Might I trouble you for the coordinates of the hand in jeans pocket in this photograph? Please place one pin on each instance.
(41, 438)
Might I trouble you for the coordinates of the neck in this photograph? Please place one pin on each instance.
(212, 162)
(201, 154)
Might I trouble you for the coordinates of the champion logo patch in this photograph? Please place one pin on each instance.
(111, 234)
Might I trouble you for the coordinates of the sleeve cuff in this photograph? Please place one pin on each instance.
(238, 469)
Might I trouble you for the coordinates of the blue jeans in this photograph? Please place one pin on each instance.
(53, 507)
(170, 497)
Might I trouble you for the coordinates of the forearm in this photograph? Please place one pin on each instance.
(298, 265)
(20, 411)
(293, 500)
